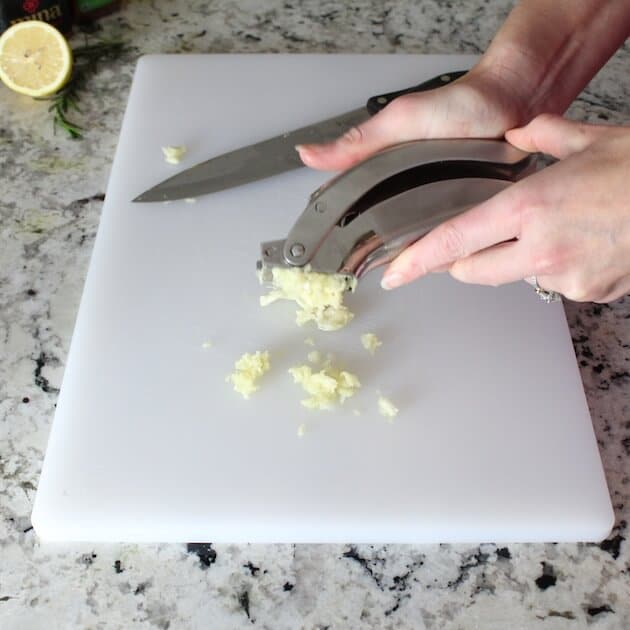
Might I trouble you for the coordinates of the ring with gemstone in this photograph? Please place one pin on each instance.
(544, 295)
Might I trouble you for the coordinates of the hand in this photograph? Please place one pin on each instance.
(478, 105)
(571, 220)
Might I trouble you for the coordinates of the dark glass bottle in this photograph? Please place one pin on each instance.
(56, 12)
(90, 10)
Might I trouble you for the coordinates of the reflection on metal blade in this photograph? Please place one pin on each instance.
(251, 163)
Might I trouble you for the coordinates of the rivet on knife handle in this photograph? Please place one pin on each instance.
(376, 103)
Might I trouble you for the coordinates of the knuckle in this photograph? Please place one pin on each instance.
(526, 207)
(460, 271)
(610, 292)
(402, 106)
(547, 261)
(579, 289)
(577, 295)
(411, 262)
(544, 119)
(451, 242)
(416, 266)
(401, 117)
(543, 263)
(354, 135)
(589, 293)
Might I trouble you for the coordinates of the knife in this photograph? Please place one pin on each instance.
(275, 155)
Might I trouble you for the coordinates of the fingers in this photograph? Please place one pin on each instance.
(391, 125)
(496, 220)
(556, 136)
(469, 107)
(563, 225)
(616, 290)
(356, 144)
(500, 264)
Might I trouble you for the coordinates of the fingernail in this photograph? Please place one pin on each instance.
(305, 152)
(391, 281)
(306, 148)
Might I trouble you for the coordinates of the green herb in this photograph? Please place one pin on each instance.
(85, 64)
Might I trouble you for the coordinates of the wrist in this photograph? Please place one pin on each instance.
(504, 103)
(546, 52)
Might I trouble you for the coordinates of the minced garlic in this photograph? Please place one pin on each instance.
(371, 342)
(326, 388)
(315, 356)
(387, 408)
(173, 155)
(309, 341)
(319, 296)
(301, 430)
(247, 371)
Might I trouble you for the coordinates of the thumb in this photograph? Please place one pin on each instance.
(556, 136)
(393, 124)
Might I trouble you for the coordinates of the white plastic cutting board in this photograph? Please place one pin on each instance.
(493, 441)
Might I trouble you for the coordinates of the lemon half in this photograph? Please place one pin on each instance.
(35, 58)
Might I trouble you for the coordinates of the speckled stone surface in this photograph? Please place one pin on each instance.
(52, 192)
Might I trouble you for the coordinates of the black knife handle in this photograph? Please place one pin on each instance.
(376, 103)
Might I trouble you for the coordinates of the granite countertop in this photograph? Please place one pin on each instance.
(52, 193)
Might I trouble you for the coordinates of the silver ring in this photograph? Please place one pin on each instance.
(544, 295)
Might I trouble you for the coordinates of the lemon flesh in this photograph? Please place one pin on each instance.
(35, 58)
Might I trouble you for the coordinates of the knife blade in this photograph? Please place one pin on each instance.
(275, 155)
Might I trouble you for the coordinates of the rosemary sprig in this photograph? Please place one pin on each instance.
(86, 60)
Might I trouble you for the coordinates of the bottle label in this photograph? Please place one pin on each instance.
(56, 12)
